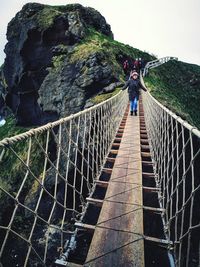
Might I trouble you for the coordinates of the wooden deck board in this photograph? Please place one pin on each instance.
(118, 236)
(124, 192)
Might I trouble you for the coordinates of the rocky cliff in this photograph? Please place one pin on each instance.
(37, 35)
(2, 92)
(57, 58)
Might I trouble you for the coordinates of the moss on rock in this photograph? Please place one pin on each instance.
(102, 97)
(46, 16)
(58, 61)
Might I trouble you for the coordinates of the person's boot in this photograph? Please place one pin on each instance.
(131, 113)
(135, 112)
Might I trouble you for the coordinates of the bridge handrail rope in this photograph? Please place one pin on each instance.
(50, 125)
(175, 149)
(157, 62)
(56, 164)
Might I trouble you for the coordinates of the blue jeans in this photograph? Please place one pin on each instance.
(133, 104)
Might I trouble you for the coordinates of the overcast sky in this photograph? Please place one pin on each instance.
(161, 27)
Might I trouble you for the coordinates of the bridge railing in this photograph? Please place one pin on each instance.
(175, 148)
(46, 175)
(157, 62)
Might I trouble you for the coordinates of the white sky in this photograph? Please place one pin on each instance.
(161, 27)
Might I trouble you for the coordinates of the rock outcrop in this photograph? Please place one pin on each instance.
(2, 93)
(43, 84)
(110, 88)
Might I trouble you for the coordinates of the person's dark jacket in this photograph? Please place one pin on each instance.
(133, 88)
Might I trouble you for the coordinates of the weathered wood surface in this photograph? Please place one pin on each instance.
(118, 236)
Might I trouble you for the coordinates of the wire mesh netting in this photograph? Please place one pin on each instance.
(46, 175)
(175, 147)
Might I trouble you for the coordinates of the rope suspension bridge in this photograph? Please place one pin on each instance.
(93, 187)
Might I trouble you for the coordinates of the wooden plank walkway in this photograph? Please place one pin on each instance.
(118, 236)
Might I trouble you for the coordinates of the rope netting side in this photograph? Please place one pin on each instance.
(46, 175)
(175, 148)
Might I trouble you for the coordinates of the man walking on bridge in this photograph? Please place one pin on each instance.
(134, 86)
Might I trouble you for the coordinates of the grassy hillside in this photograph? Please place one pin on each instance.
(114, 52)
(10, 128)
(177, 86)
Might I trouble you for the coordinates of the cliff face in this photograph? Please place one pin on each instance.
(2, 92)
(2, 103)
(43, 84)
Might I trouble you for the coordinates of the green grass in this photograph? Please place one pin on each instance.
(111, 50)
(10, 128)
(177, 86)
(12, 169)
(96, 41)
(99, 98)
(46, 16)
(13, 172)
(58, 62)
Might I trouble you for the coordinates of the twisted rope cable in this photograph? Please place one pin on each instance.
(55, 168)
(175, 149)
